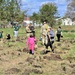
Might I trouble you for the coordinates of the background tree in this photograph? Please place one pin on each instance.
(35, 17)
(10, 10)
(70, 9)
(47, 12)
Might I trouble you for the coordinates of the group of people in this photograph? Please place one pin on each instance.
(30, 31)
(8, 36)
(47, 36)
(1, 36)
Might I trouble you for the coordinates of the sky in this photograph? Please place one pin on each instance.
(34, 6)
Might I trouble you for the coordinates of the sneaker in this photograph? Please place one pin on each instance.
(47, 51)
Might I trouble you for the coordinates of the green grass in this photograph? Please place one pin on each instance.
(11, 30)
(22, 33)
(68, 35)
(70, 53)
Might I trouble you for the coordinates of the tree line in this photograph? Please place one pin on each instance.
(10, 11)
(49, 12)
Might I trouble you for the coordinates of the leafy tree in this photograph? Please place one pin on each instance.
(10, 10)
(35, 17)
(47, 12)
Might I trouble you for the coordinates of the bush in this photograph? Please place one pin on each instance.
(72, 31)
(65, 31)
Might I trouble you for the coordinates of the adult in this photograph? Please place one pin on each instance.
(28, 31)
(44, 30)
(58, 33)
(50, 39)
(31, 27)
(16, 29)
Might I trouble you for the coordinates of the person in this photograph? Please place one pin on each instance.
(44, 30)
(28, 31)
(31, 27)
(51, 32)
(8, 37)
(49, 44)
(58, 33)
(50, 39)
(31, 43)
(16, 29)
(1, 35)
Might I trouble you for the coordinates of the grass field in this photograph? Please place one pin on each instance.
(15, 59)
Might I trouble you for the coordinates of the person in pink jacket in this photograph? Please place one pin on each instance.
(31, 44)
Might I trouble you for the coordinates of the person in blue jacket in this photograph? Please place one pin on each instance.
(51, 35)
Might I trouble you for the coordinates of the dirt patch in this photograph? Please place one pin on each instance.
(70, 58)
(73, 72)
(12, 71)
(52, 57)
(36, 65)
(30, 60)
(25, 50)
(37, 71)
(72, 66)
(27, 71)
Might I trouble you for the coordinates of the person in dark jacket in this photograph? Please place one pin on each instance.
(58, 33)
(8, 37)
(1, 35)
(49, 44)
(31, 27)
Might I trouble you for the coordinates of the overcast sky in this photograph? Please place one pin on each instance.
(34, 5)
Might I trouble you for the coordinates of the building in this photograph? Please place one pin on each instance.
(65, 21)
(27, 21)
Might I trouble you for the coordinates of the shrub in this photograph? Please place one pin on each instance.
(65, 30)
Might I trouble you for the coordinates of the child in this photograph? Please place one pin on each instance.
(51, 32)
(31, 43)
(8, 37)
